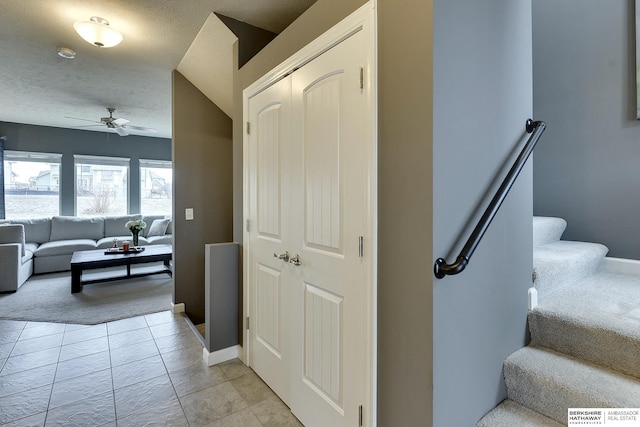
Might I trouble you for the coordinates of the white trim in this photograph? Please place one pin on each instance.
(621, 265)
(177, 308)
(533, 298)
(220, 356)
(363, 19)
(156, 164)
(32, 156)
(101, 160)
(244, 356)
(339, 32)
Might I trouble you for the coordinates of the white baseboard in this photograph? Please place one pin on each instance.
(177, 308)
(533, 298)
(220, 356)
(621, 265)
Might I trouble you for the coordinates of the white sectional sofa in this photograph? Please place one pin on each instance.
(44, 245)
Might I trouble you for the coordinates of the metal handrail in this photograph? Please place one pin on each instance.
(441, 268)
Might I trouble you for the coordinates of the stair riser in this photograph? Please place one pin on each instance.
(549, 383)
(562, 264)
(602, 347)
(547, 230)
(512, 414)
(526, 389)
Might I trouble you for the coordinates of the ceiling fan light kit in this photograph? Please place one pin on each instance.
(97, 32)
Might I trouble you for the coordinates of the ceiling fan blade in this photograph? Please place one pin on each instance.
(140, 128)
(78, 118)
(121, 131)
(120, 121)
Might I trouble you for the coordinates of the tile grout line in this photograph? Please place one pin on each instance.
(12, 348)
(184, 413)
(46, 414)
(113, 390)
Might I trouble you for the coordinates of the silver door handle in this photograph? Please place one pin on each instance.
(284, 256)
(295, 260)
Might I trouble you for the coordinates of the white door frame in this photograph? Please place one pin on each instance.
(363, 19)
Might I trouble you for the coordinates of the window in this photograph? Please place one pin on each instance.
(31, 184)
(102, 185)
(156, 185)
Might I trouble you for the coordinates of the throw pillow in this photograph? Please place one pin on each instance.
(158, 227)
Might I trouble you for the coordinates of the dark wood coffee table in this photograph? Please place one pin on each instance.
(89, 260)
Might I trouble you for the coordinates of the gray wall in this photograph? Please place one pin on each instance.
(482, 97)
(586, 165)
(202, 158)
(21, 137)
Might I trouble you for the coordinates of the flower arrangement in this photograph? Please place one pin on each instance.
(135, 227)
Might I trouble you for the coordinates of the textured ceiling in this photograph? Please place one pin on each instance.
(39, 87)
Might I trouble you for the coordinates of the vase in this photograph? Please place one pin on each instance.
(134, 234)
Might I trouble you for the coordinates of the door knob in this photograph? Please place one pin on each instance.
(295, 260)
(284, 256)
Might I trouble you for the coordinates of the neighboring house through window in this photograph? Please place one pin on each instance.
(156, 187)
(31, 184)
(102, 185)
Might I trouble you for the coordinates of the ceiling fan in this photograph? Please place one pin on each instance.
(118, 124)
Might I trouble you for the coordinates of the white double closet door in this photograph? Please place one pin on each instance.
(309, 182)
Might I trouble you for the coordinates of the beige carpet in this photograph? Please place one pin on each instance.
(48, 298)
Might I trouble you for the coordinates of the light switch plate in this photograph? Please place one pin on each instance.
(188, 214)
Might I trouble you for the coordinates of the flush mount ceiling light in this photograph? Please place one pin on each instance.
(97, 32)
(66, 53)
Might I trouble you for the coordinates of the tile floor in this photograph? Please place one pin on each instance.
(142, 371)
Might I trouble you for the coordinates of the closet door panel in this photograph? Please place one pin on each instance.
(269, 195)
(328, 148)
(269, 280)
(322, 173)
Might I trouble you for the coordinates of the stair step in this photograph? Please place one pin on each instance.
(549, 382)
(562, 263)
(598, 321)
(510, 414)
(547, 229)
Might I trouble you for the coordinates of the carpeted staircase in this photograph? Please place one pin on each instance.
(585, 336)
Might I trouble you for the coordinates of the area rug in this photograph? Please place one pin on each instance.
(48, 298)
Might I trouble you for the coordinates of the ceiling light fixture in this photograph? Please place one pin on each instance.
(66, 53)
(97, 32)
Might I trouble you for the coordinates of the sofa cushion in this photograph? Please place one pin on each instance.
(27, 256)
(36, 230)
(158, 227)
(114, 225)
(107, 242)
(170, 227)
(31, 247)
(157, 240)
(142, 241)
(13, 233)
(72, 227)
(64, 247)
